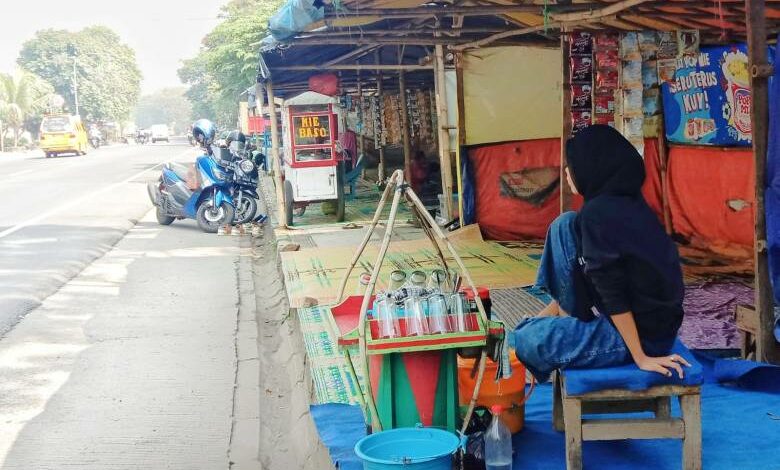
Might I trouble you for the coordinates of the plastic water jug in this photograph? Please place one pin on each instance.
(498, 443)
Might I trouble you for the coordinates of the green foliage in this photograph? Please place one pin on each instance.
(23, 97)
(108, 78)
(167, 106)
(227, 64)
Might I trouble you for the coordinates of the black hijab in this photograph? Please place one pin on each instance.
(602, 161)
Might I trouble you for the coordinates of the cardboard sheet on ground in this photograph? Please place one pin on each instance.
(312, 276)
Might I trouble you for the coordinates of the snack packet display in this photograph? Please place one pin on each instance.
(581, 43)
(605, 119)
(607, 80)
(580, 120)
(687, 42)
(581, 96)
(632, 102)
(581, 69)
(629, 47)
(651, 102)
(631, 74)
(667, 45)
(604, 41)
(604, 103)
(648, 44)
(607, 59)
(650, 74)
(666, 70)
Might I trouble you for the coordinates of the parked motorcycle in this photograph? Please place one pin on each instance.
(201, 192)
(244, 175)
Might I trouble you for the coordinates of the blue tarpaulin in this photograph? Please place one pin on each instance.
(772, 188)
(293, 18)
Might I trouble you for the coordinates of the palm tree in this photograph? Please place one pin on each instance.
(20, 95)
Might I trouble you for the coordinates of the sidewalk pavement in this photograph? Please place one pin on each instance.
(132, 364)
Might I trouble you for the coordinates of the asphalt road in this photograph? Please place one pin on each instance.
(58, 215)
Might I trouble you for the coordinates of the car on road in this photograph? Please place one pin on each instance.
(63, 133)
(160, 132)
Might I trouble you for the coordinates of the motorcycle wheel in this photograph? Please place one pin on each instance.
(210, 218)
(163, 218)
(246, 209)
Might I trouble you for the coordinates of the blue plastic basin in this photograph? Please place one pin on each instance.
(412, 448)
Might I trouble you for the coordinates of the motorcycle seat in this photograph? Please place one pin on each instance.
(185, 172)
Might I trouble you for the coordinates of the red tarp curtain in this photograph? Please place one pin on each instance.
(506, 218)
(711, 195)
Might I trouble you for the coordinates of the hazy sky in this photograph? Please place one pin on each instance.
(162, 32)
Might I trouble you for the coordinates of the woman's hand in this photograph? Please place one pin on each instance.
(664, 365)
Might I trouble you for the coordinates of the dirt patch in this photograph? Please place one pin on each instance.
(288, 438)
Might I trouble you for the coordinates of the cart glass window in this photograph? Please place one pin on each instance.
(313, 155)
(312, 130)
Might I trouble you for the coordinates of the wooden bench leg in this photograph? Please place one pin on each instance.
(663, 407)
(572, 418)
(691, 415)
(557, 411)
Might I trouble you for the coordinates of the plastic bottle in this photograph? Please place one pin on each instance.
(498, 443)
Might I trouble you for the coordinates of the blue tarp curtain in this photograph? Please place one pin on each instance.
(293, 18)
(772, 189)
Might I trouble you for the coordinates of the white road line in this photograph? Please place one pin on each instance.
(77, 201)
(20, 173)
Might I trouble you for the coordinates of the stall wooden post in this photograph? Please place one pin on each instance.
(277, 162)
(381, 169)
(566, 194)
(405, 127)
(361, 133)
(461, 132)
(767, 349)
(663, 162)
(443, 128)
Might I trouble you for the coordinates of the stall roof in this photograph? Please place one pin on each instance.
(358, 34)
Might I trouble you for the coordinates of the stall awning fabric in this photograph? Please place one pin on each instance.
(512, 93)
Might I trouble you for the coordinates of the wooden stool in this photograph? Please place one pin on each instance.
(577, 393)
(747, 324)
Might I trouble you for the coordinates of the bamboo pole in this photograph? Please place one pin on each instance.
(767, 348)
(277, 163)
(663, 161)
(445, 11)
(443, 134)
(363, 243)
(396, 181)
(381, 169)
(293, 68)
(405, 127)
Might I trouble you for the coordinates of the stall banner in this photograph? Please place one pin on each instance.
(708, 101)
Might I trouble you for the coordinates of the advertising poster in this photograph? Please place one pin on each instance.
(708, 100)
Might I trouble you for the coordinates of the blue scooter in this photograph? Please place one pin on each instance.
(200, 192)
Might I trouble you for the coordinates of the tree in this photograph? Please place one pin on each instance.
(106, 72)
(227, 63)
(167, 106)
(22, 94)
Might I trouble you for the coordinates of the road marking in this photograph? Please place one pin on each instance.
(77, 201)
(20, 173)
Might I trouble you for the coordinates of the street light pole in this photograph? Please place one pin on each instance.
(75, 86)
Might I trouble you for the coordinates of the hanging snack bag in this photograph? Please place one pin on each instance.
(648, 44)
(582, 69)
(581, 96)
(607, 59)
(631, 74)
(580, 120)
(632, 101)
(651, 102)
(581, 43)
(650, 74)
(604, 103)
(667, 45)
(629, 47)
(603, 41)
(605, 119)
(606, 80)
(666, 70)
(687, 42)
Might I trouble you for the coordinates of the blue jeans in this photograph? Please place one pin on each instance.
(547, 343)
